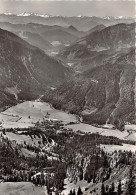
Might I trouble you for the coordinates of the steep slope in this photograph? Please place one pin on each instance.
(113, 37)
(35, 40)
(103, 94)
(96, 28)
(25, 71)
(101, 44)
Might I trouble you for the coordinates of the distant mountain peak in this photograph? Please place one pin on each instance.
(72, 27)
(116, 17)
(26, 14)
(80, 16)
(8, 14)
(34, 14)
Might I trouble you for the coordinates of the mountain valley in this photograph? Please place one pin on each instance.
(67, 105)
(38, 71)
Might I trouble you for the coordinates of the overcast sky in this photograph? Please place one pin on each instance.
(70, 8)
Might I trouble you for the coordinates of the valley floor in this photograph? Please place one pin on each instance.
(26, 114)
(21, 188)
(112, 148)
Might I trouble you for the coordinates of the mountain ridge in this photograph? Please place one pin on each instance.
(27, 68)
(103, 94)
(81, 23)
(97, 47)
(49, 15)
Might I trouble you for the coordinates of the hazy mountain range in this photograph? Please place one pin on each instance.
(81, 23)
(92, 73)
(97, 47)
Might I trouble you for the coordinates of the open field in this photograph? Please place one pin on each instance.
(130, 127)
(68, 186)
(21, 188)
(28, 113)
(108, 132)
(21, 138)
(112, 148)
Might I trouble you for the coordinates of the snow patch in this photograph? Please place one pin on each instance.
(53, 88)
(8, 14)
(70, 64)
(56, 43)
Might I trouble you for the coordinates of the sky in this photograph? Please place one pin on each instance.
(70, 8)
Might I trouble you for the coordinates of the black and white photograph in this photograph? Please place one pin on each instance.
(67, 97)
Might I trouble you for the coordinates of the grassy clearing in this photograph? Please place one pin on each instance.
(21, 188)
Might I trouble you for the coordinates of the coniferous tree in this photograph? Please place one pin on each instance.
(119, 188)
(74, 193)
(70, 192)
(112, 187)
(94, 177)
(79, 192)
(131, 184)
(102, 189)
(107, 188)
